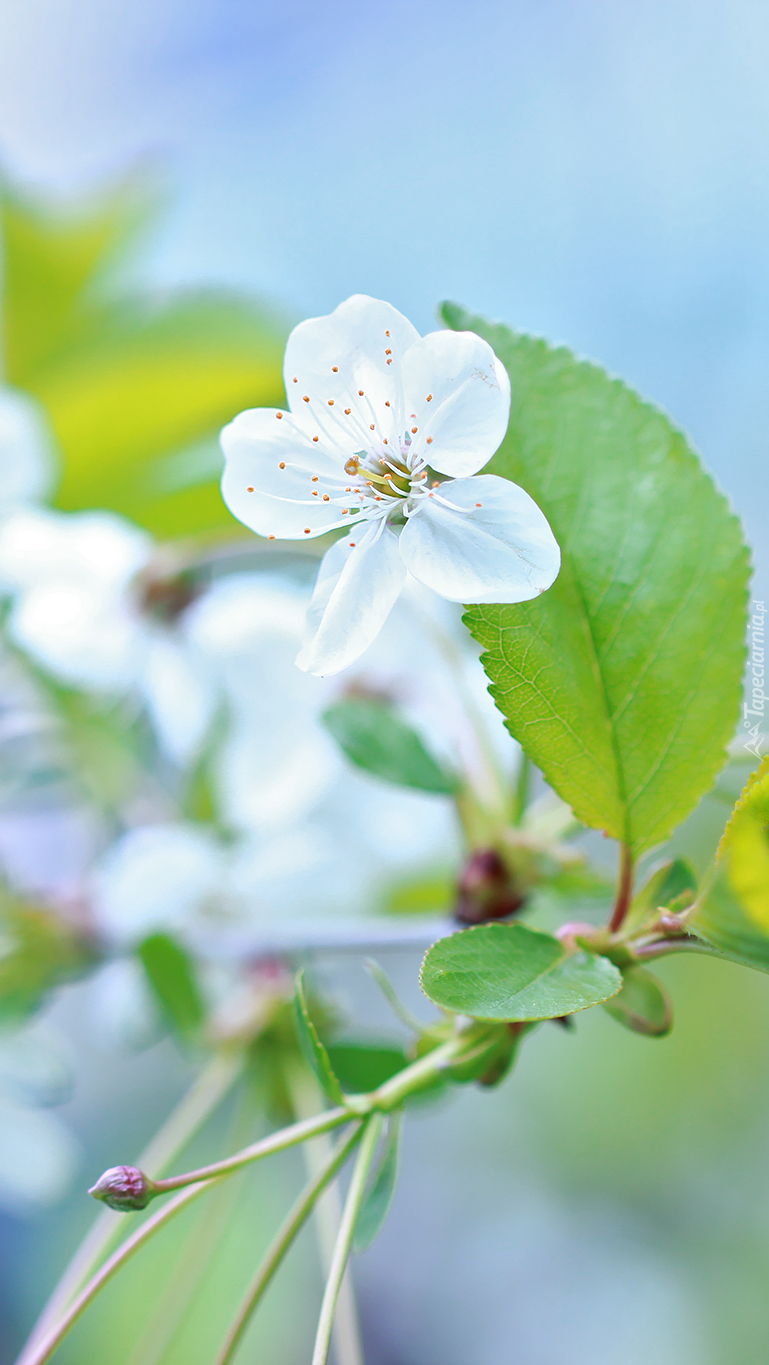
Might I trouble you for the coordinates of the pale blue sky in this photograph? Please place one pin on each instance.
(593, 170)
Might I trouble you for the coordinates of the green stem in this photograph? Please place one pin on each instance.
(357, 1190)
(281, 1243)
(198, 1104)
(307, 1098)
(276, 1142)
(52, 1339)
(522, 791)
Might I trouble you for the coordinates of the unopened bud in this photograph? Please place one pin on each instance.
(124, 1188)
(487, 890)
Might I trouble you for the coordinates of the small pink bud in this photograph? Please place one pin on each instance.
(487, 889)
(124, 1188)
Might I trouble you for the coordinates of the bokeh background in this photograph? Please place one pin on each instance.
(595, 173)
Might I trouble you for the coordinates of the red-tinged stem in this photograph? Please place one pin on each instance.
(624, 890)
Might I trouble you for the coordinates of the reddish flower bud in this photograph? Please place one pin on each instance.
(487, 889)
(124, 1188)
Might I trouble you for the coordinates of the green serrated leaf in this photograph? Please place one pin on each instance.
(643, 1004)
(623, 681)
(376, 739)
(512, 972)
(360, 1067)
(733, 913)
(171, 974)
(313, 1049)
(379, 1197)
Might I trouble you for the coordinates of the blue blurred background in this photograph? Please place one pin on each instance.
(594, 171)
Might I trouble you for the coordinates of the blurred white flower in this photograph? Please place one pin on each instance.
(374, 411)
(27, 463)
(77, 610)
(156, 877)
(38, 1153)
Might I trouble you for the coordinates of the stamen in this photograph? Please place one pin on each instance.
(335, 368)
(414, 431)
(316, 438)
(315, 478)
(388, 351)
(347, 412)
(278, 415)
(479, 504)
(270, 537)
(326, 497)
(282, 464)
(353, 465)
(306, 530)
(387, 334)
(429, 440)
(306, 399)
(429, 398)
(331, 402)
(296, 381)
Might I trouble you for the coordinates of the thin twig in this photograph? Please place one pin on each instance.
(275, 1142)
(46, 1347)
(281, 1243)
(206, 1093)
(366, 1154)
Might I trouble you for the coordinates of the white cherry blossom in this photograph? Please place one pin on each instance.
(376, 415)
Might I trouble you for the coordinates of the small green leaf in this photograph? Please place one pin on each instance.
(595, 677)
(512, 972)
(668, 887)
(360, 1067)
(313, 1048)
(642, 1005)
(375, 738)
(733, 912)
(171, 974)
(379, 1197)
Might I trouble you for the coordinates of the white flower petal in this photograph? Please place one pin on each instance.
(276, 476)
(155, 877)
(330, 360)
(460, 394)
(79, 633)
(502, 550)
(179, 695)
(26, 449)
(357, 588)
(37, 546)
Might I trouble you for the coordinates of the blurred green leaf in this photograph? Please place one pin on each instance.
(38, 951)
(733, 912)
(173, 978)
(434, 893)
(380, 1194)
(512, 972)
(376, 739)
(313, 1048)
(597, 678)
(675, 881)
(360, 1067)
(128, 383)
(643, 1004)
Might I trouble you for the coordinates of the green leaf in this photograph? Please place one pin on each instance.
(379, 1197)
(642, 1005)
(375, 738)
(733, 913)
(38, 951)
(360, 1067)
(313, 1048)
(512, 972)
(136, 391)
(622, 681)
(669, 887)
(171, 974)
